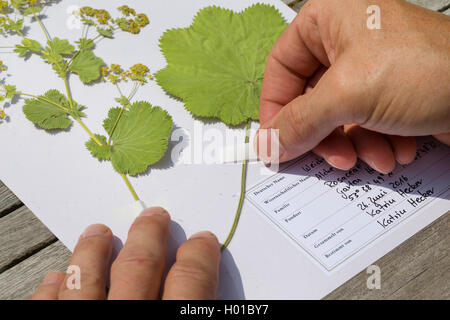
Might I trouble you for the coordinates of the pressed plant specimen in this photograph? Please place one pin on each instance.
(136, 132)
(216, 66)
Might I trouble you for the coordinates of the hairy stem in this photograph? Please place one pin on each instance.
(42, 26)
(130, 187)
(88, 131)
(241, 198)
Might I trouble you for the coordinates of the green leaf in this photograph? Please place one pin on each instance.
(31, 10)
(10, 91)
(87, 66)
(26, 46)
(16, 25)
(85, 44)
(102, 152)
(76, 111)
(140, 137)
(59, 46)
(123, 101)
(217, 64)
(45, 111)
(107, 33)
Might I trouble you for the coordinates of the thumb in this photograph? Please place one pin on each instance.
(308, 119)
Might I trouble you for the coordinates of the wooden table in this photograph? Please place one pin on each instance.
(417, 269)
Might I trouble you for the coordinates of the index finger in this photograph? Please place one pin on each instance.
(294, 58)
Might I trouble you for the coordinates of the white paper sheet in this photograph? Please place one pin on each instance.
(54, 175)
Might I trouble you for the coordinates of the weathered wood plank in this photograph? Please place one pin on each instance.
(8, 200)
(417, 269)
(20, 281)
(21, 234)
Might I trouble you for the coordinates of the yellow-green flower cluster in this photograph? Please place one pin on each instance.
(2, 66)
(129, 22)
(115, 74)
(6, 92)
(3, 6)
(100, 15)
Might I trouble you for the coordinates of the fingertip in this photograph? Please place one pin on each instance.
(342, 162)
(155, 211)
(404, 148)
(204, 241)
(96, 230)
(384, 166)
(207, 235)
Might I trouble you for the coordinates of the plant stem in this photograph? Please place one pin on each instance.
(133, 92)
(42, 26)
(43, 99)
(241, 199)
(69, 96)
(88, 131)
(130, 187)
(115, 124)
(71, 59)
(1, 47)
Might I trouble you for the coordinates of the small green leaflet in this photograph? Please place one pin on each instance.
(16, 25)
(217, 64)
(87, 66)
(56, 49)
(58, 46)
(107, 33)
(51, 111)
(10, 91)
(139, 139)
(85, 44)
(26, 46)
(102, 152)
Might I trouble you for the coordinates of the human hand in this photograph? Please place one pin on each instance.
(138, 270)
(336, 87)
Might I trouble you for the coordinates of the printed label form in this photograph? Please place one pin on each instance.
(332, 214)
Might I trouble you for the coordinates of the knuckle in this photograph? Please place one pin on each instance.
(89, 281)
(298, 122)
(188, 270)
(148, 261)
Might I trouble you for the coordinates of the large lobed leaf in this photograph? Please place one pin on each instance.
(139, 140)
(217, 64)
(46, 112)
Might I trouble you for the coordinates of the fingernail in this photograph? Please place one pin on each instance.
(94, 230)
(378, 168)
(153, 211)
(51, 278)
(204, 235)
(339, 162)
